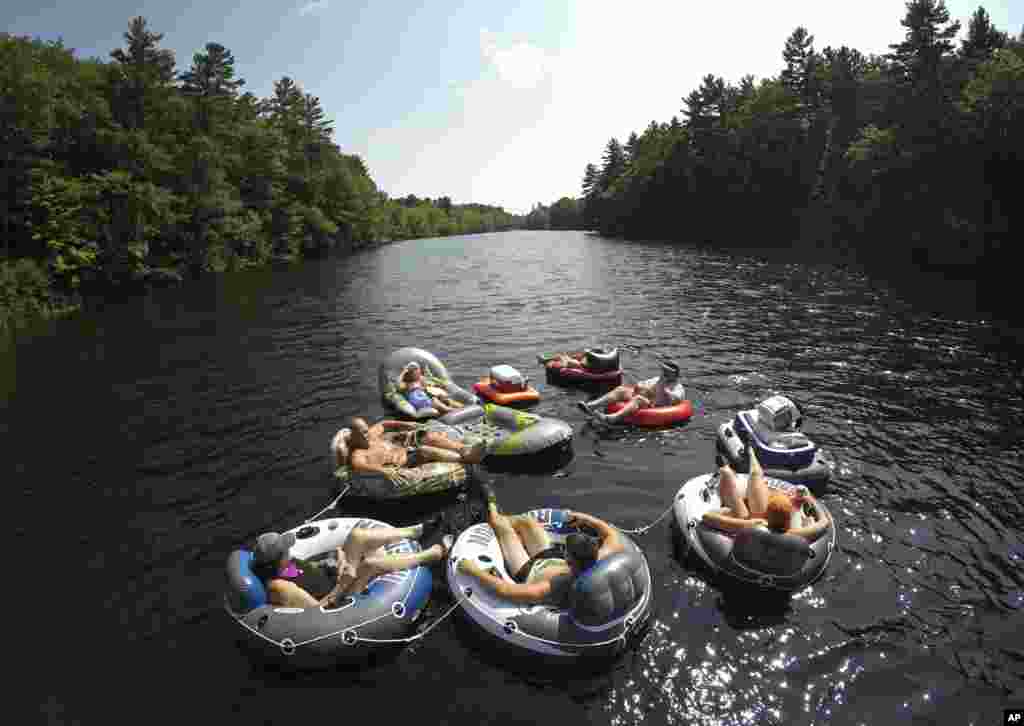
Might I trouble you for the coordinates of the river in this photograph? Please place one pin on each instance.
(147, 440)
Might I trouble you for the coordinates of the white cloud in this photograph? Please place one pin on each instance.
(313, 7)
(519, 64)
(526, 127)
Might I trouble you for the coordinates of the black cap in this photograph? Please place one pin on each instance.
(581, 547)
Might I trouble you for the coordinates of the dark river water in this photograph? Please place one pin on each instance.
(146, 441)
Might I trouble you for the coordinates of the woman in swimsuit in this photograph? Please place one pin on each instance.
(420, 395)
(762, 507)
(358, 563)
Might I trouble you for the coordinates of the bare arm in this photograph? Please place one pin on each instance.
(391, 425)
(813, 531)
(511, 591)
(723, 520)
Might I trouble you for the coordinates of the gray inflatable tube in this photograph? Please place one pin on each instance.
(319, 637)
(508, 432)
(759, 557)
(609, 602)
(391, 368)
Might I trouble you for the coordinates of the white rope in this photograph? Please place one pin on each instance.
(419, 635)
(330, 506)
(643, 530)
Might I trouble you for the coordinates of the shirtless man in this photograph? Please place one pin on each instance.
(542, 572)
(380, 448)
(665, 390)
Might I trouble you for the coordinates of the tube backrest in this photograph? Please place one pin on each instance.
(607, 590)
(245, 590)
(770, 552)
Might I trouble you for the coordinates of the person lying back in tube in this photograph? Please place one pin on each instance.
(356, 565)
(664, 390)
(762, 507)
(542, 571)
(380, 448)
(413, 385)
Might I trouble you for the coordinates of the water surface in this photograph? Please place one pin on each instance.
(148, 440)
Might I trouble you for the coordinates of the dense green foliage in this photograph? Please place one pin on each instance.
(909, 159)
(121, 174)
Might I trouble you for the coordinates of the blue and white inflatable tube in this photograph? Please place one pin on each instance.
(324, 636)
(784, 452)
(609, 603)
(757, 557)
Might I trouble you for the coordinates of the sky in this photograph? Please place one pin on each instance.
(502, 106)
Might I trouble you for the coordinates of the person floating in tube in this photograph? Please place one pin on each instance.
(413, 385)
(542, 571)
(664, 390)
(762, 507)
(380, 448)
(358, 562)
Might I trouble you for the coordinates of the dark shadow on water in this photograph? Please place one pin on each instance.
(743, 607)
(583, 680)
(546, 462)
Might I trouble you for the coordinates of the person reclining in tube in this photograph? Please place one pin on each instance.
(542, 572)
(567, 361)
(419, 394)
(762, 507)
(357, 563)
(664, 390)
(380, 448)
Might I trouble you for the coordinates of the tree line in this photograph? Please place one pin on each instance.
(904, 160)
(124, 173)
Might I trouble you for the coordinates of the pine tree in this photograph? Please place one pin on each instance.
(211, 82)
(982, 38)
(918, 61)
(143, 67)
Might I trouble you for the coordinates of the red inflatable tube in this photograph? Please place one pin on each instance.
(583, 375)
(656, 415)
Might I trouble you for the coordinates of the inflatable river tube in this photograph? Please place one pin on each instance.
(326, 636)
(656, 415)
(601, 367)
(609, 602)
(430, 478)
(509, 432)
(506, 386)
(758, 556)
(433, 371)
(784, 452)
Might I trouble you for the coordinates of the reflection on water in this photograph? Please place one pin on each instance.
(157, 435)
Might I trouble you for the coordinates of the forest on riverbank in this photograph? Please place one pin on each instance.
(905, 161)
(126, 173)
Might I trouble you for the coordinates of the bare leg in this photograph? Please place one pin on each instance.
(533, 536)
(465, 455)
(633, 405)
(363, 540)
(757, 486)
(438, 440)
(375, 565)
(619, 393)
(512, 548)
(728, 490)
